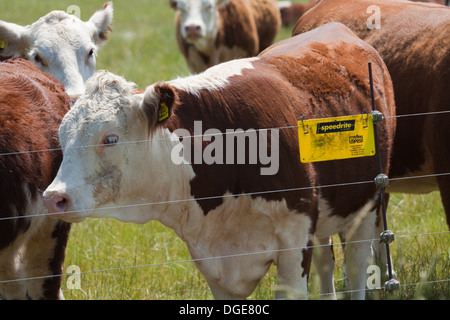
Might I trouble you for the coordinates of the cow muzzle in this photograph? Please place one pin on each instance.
(56, 202)
(193, 32)
(60, 205)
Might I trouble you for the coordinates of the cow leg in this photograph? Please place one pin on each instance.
(444, 188)
(293, 272)
(10, 271)
(12, 287)
(323, 260)
(358, 251)
(43, 258)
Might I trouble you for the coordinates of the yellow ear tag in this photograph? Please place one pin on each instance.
(163, 112)
(3, 44)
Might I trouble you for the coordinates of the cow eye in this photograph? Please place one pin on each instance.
(111, 140)
(37, 58)
(91, 53)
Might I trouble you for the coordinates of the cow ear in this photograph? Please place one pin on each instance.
(173, 4)
(12, 40)
(102, 21)
(158, 104)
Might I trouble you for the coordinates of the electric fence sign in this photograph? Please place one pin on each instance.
(336, 138)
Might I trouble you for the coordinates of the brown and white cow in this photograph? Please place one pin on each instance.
(32, 105)
(413, 39)
(60, 44)
(292, 11)
(214, 31)
(255, 203)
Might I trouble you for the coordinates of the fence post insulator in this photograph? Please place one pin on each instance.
(387, 236)
(391, 285)
(381, 181)
(377, 116)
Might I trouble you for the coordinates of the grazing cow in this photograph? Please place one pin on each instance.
(60, 44)
(414, 41)
(32, 105)
(231, 199)
(214, 31)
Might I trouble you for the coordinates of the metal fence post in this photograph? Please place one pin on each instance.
(381, 181)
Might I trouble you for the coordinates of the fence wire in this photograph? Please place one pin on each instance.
(232, 195)
(203, 135)
(229, 196)
(166, 263)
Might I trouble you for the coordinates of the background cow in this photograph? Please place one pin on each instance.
(60, 44)
(214, 31)
(319, 74)
(32, 105)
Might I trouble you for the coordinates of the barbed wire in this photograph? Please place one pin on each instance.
(201, 135)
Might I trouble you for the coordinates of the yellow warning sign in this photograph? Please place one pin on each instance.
(336, 138)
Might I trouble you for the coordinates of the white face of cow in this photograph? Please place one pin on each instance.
(60, 44)
(99, 168)
(199, 18)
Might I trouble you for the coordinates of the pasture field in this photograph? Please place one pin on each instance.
(128, 261)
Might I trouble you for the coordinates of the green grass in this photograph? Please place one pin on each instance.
(128, 261)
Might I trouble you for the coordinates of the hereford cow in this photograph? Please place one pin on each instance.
(32, 105)
(214, 31)
(254, 203)
(60, 44)
(414, 40)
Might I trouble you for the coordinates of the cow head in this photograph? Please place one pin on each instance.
(60, 44)
(107, 156)
(199, 18)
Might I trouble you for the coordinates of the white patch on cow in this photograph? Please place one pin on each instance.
(329, 223)
(215, 78)
(249, 234)
(284, 4)
(199, 22)
(28, 255)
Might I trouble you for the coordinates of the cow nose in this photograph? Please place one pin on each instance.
(193, 29)
(56, 202)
